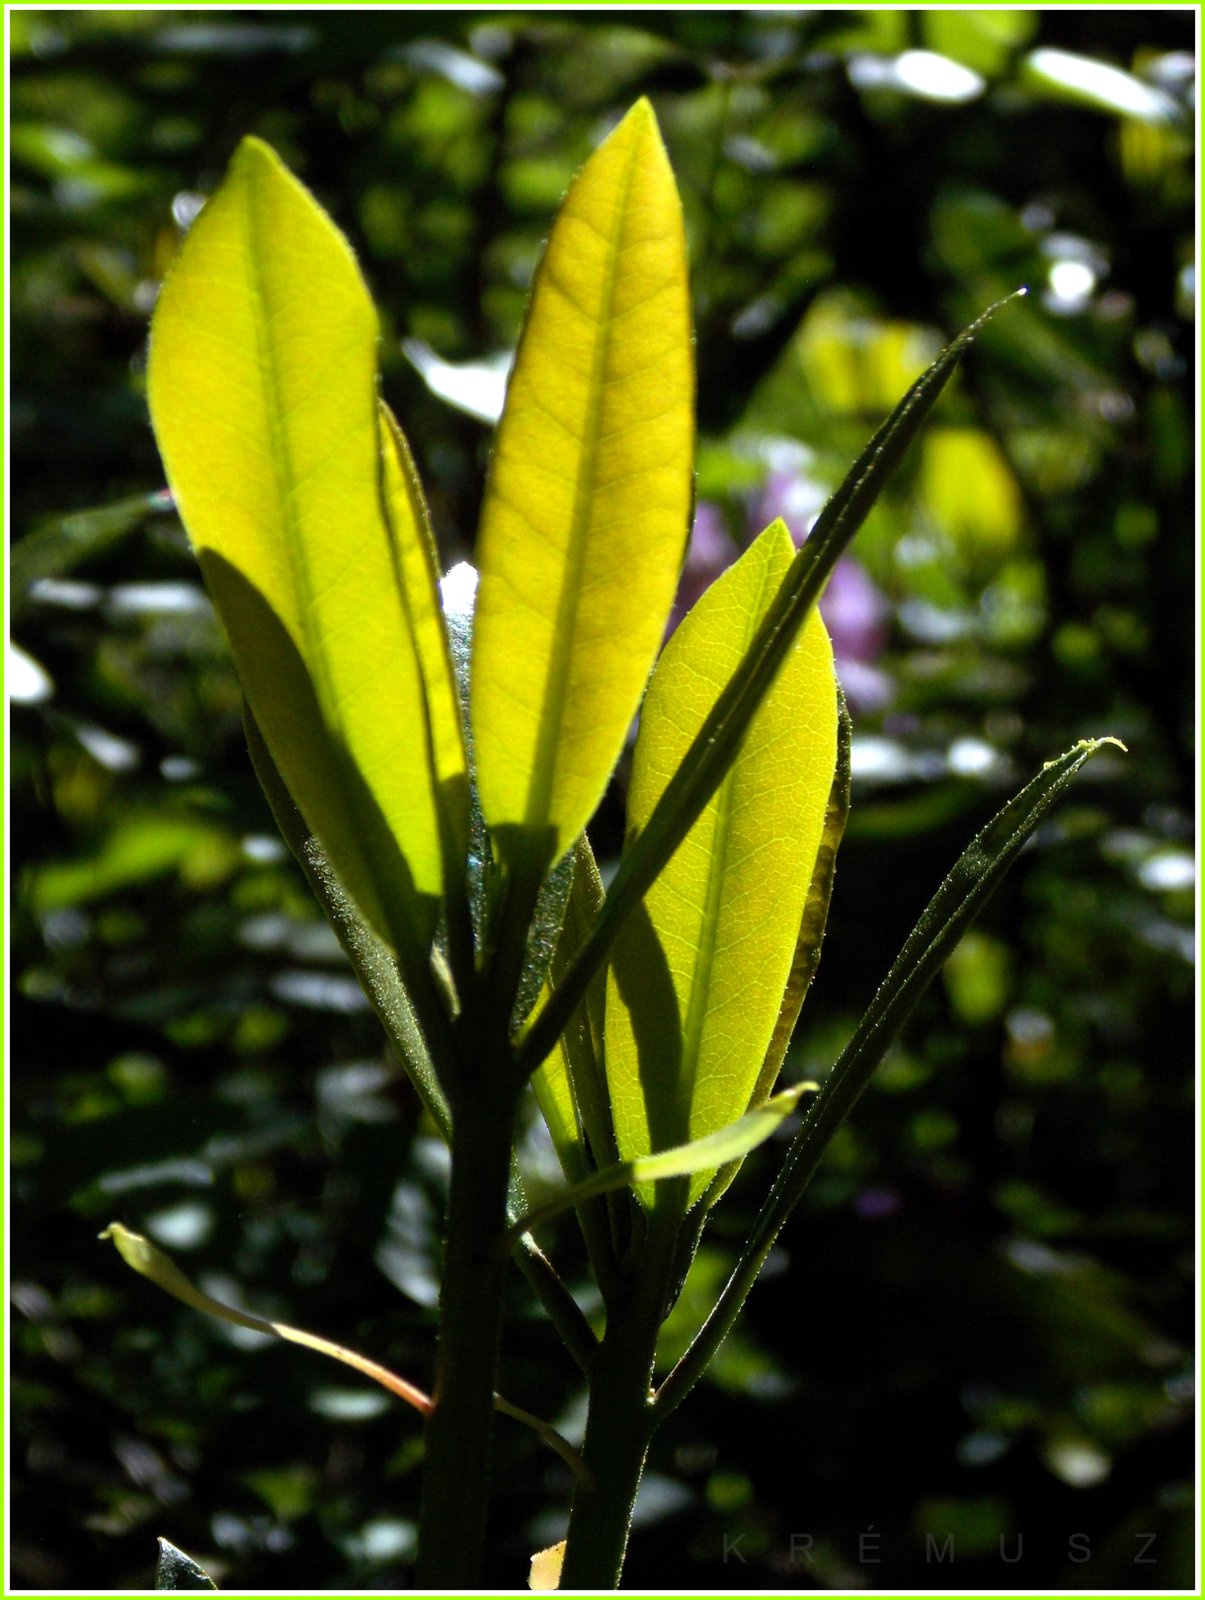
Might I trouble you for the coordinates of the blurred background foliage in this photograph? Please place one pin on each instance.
(979, 1325)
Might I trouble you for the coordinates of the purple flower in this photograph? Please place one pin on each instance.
(855, 611)
(710, 552)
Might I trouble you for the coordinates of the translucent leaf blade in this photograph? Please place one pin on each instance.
(719, 1148)
(416, 562)
(586, 509)
(262, 383)
(698, 973)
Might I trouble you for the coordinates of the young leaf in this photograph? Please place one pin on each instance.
(262, 384)
(175, 1570)
(371, 958)
(958, 901)
(704, 1155)
(698, 973)
(146, 1258)
(459, 590)
(587, 504)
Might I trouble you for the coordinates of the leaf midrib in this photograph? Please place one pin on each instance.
(282, 461)
(555, 697)
(721, 811)
(314, 658)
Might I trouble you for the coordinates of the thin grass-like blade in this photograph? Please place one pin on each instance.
(149, 1261)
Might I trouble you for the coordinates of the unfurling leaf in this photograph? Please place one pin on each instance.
(586, 509)
(571, 1087)
(698, 972)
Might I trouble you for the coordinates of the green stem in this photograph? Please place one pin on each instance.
(562, 1309)
(460, 1429)
(621, 1421)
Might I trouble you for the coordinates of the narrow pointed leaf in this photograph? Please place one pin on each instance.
(416, 562)
(952, 910)
(587, 504)
(149, 1261)
(713, 1150)
(571, 1087)
(697, 975)
(175, 1570)
(372, 960)
(146, 1258)
(717, 741)
(262, 383)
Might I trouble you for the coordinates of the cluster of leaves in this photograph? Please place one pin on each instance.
(1015, 1197)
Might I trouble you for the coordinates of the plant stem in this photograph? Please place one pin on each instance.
(620, 1421)
(460, 1429)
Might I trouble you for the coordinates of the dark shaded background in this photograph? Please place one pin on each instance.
(979, 1324)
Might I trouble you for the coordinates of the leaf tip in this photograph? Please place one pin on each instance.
(1085, 748)
(546, 1567)
(251, 149)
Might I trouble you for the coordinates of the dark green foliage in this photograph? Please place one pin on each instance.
(985, 1326)
(178, 1571)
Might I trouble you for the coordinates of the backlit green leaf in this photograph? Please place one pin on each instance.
(262, 383)
(718, 738)
(811, 933)
(698, 972)
(586, 510)
(703, 1155)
